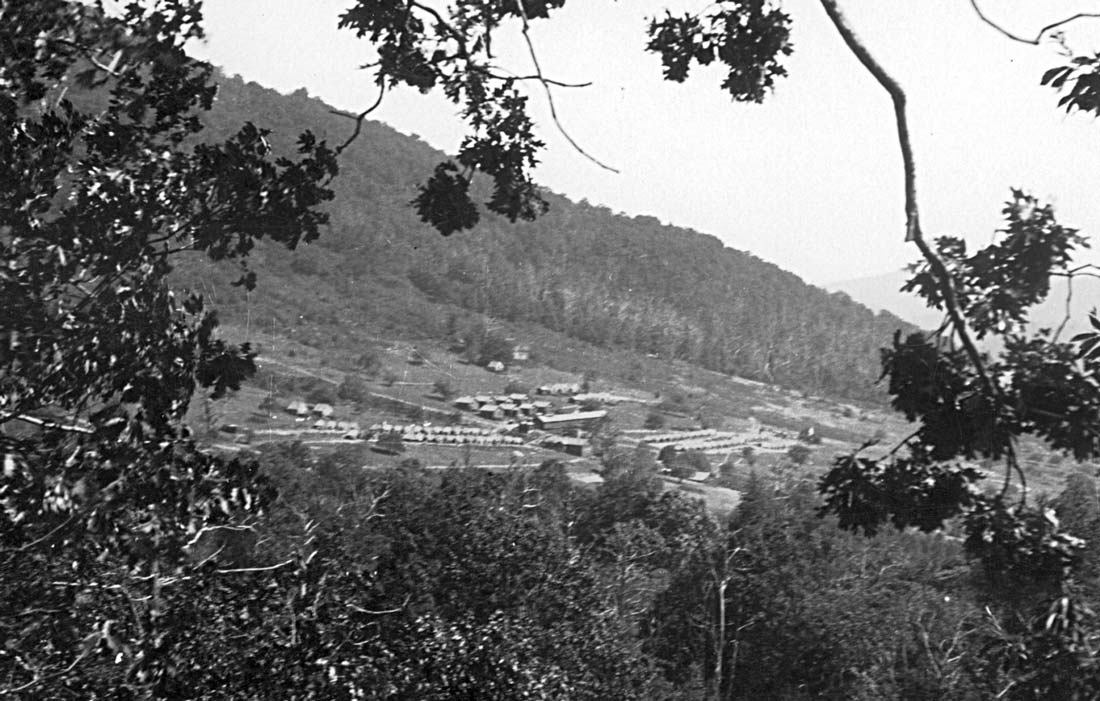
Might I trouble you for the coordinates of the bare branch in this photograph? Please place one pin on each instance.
(1042, 32)
(358, 119)
(44, 423)
(550, 94)
(1069, 300)
(540, 78)
(383, 612)
(256, 569)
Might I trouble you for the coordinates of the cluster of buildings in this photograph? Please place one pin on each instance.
(529, 413)
(502, 406)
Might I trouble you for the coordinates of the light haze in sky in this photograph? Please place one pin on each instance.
(811, 180)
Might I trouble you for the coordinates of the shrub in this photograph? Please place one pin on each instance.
(322, 393)
(798, 454)
(352, 389)
(369, 362)
(444, 388)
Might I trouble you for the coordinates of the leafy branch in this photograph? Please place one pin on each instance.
(944, 279)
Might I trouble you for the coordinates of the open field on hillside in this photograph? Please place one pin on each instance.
(685, 398)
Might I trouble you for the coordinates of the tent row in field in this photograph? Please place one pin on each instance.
(704, 446)
(491, 440)
(330, 425)
(387, 427)
(678, 436)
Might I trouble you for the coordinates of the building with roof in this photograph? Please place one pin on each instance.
(298, 408)
(571, 446)
(466, 403)
(559, 423)
(490, 411)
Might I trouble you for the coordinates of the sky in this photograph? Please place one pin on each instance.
(811, 180)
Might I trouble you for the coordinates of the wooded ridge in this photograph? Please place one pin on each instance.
(609, 279)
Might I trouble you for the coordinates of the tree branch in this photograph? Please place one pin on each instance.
(256, 569)
(913, 233)
(1042, 32)
(44, 423)
(549, 93)
(358, 119)
(1069, 301)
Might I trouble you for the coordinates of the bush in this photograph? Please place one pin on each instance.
(710, 421)
(322, 393)
(516, 387)
(444, 388)
(654, 421)
(748, 455)
(370, 362)
(667, 455)
(798, 454)
(494, 347)
(352, 389)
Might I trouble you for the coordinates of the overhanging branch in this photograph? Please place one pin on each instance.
(549, 93)
(944, 280)
(1041, 33)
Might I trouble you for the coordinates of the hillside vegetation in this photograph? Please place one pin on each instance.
(608, 279)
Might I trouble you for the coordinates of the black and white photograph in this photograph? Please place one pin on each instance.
(550, 350)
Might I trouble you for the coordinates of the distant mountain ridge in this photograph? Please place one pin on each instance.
(605, 278)
(884, 292)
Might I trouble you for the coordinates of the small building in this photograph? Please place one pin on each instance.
(298, 408)
(483, 399)
(495, 366)
(521, 353)
(570, 446)
(466, 403)
(560, 423)
(510, 410)
(586, 478)
(323, 410)
(490, 411)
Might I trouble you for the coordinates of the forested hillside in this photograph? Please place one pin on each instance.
(609, 279)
